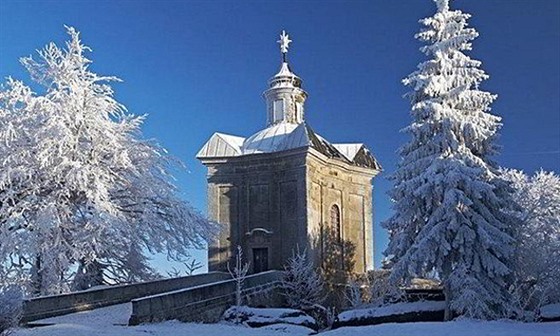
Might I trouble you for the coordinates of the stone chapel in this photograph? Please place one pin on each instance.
(286, 187)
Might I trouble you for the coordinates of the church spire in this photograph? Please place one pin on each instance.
(285, 97)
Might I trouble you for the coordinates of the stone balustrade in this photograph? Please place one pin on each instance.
(207, 302)
(55, 305)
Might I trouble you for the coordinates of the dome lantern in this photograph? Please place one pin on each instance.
(285, 98)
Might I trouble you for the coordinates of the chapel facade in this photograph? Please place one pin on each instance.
(287, 188)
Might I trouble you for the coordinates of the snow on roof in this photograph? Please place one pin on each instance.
(282, 137)
(232, 139)
(276, 138)
(285, 78)
(285, 70)
(349, 150)
(221, 145)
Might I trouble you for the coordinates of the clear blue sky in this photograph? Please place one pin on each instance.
(197, 67)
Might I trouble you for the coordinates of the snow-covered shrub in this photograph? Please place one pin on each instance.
(449, 198)
(373, 289)
(354, 293)
(259, 317)
(382, 291)
(330, 317)
(11, 300)
(302, 285)
(537, 257)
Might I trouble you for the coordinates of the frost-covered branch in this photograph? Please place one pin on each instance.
(537, 257)
(79, 186)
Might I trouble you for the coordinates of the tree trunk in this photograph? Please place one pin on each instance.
(447, 293)
(36, 277)
(88, 275)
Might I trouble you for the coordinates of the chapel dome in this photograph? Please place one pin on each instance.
(275, 138)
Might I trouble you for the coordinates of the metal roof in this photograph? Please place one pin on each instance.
(285, 136)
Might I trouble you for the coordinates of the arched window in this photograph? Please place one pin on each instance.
(335, 222)
(336, 250)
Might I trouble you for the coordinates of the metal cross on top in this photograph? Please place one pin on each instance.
(284, 42)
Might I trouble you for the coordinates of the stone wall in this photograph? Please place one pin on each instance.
(280, 201)
(49, 306)
(332, 182)
(206, 303)
(260, 201)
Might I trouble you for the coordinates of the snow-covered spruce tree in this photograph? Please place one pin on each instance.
(301, 283)
(537, 257)
(448, 194)
(78, 184)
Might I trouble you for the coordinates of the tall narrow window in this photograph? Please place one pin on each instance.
(335, 223)
(299, 112)
(337, 249)
(278, 110)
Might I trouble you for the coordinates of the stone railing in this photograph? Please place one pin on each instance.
(49, 306)
(205, 303)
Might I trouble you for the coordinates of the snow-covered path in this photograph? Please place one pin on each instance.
(107, 316)
(111, 321)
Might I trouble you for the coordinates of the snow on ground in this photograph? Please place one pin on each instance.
(107, 322)
(170, 328)
(454, 328)
(112, 321)
(394, 309)
(289, 329)
(112, 315)
(256, 317)
(551, 311)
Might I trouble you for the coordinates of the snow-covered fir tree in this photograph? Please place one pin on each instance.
(537, 257)
(448, 194)
(79, 187)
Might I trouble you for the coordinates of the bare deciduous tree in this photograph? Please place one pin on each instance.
(239, 273)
